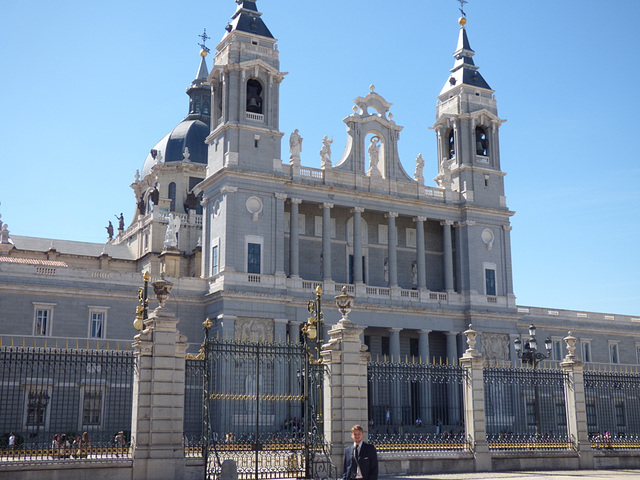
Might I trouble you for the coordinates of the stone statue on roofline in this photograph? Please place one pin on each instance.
(325, 153)
(295, 147)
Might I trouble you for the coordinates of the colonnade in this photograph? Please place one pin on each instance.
(392, 242)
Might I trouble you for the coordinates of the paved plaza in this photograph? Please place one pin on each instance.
(531, 475)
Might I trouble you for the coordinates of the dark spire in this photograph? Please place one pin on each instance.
(247, 19)
(200, 93)
(464, 71)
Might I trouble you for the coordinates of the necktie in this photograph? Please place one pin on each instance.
(356, 452)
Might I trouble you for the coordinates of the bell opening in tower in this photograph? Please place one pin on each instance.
(254, 96)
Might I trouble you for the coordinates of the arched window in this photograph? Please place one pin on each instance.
(481, 142)
(254, 96)
(197, 106)
(172, 196)
(452, 144)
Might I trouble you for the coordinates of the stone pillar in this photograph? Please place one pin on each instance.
(394, 344)
(448, 256)
(576, 404)
(452, 346)
(420, 260)
(426, 409)
(326, 241)
(294, 242)
(345, 403)
(474, 416)
(357, 245)
(158, 400)
(279, 234)
(392, 236)
(423, 345)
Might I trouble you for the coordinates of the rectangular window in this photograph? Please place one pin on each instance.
(317, 227)
(561, 415)
(638, 353)
(586, 350)
(37, 404)
(253, 258)
(490, 282)
(97, 325)
(42, 318)
(383, 234)
(620, 417)
(42, 322)
(530, 410)
(613, 353)
(592, 417)
(385, 346)
(411, 237)
(91, 407)
(301, 224)
(214, 260)
(557, 350)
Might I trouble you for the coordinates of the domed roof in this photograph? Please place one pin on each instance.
(188, 134)
(192, 131)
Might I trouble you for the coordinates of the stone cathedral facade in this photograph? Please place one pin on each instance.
(246, 232)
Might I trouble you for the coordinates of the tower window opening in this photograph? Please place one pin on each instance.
(197, 106)
(481, 142)
(172, 196)
(452, 144)
(205, 108)
(254, 96)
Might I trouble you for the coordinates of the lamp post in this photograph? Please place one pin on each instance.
(142, 310)
(313, 337)
(529, 354)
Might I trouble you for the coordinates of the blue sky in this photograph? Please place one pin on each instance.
(87, 88)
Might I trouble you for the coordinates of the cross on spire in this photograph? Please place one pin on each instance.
(462, 2)
(204, 38)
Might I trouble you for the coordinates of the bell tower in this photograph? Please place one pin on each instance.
(467, 125)
(245, 82)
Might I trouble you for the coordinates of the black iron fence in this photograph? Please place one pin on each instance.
(64, 403)
(525, 409)
(613, 407)
(416, 406)
(264, 409)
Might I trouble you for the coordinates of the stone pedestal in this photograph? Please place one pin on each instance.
(345, 402)
(474, 417)
(158, 399)
(576, 406)
(170, 259)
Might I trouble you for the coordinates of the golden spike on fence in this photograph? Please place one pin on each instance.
(77, 345)
(11, 344)
(0, 341)
(22, 342)
(384, 358)
(118, 347)
(34, 343)
(440, 360)
(107, 346)
(87, 344)
(406, 359)
(45, 343)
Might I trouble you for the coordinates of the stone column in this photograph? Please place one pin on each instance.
(394, 344)
(426, 409)
(294, 248)
(326, 241)
(392, 237)
(452, 388)
(423, 345)
(474, 415)
(420, 260)
(158, 400)
(448, 256)
(576, 404)
(346, 401)
(279, 234)
(357, 245)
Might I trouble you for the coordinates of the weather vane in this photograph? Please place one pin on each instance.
(462, 2)
(204, 38)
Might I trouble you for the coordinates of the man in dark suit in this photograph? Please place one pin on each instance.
(360, 459)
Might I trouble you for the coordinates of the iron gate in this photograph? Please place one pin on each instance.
(262, 409)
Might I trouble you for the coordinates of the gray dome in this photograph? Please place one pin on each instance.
(190, 134)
